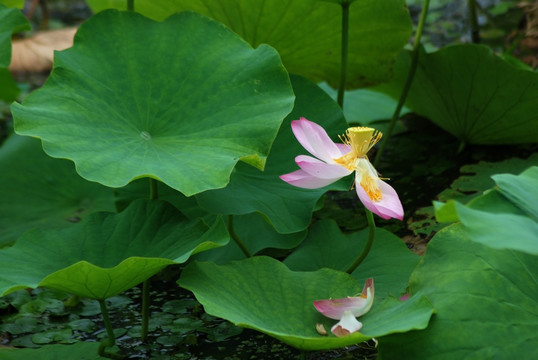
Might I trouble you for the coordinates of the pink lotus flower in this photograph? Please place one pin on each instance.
(347, 310)
(334, 161)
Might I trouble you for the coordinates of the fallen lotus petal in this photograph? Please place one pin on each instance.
(348, 309)
(347, 325)
(321, 329)
(334, 161)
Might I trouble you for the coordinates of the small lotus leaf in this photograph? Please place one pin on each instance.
(11, 21)
(263, 294)
(79, 351)
(19, 4)
(485, 301)
(181, 101)
(502, 222)
(521, 190)
(477, 178)
(108, 253)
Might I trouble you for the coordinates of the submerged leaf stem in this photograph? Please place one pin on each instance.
(111, 340)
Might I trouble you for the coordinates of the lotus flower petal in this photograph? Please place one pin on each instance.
(334, 161)
(388, 207)
(357, 305)
(348, 324)
(315, 139)
(321, 169)
(302, 179)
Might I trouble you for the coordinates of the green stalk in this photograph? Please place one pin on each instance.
(369, 242)
(473, 17)
(111, 340)
(408, 82)
(153, 194)
(236, 238)
(145, 310)
(130, 5)
(108, 325)
(153, 190)
(340, 100)
(343, 61)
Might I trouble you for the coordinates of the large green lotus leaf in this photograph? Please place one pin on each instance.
(108, 253)
(287, 207)
(79, 351)
(389, 262)
(486, 301)
(180, 101)
(521, 189)
(263, 294)
(257, 234)
(473, 94)
(306, 33)
(502, 222)
(38, 191)
(11, 21)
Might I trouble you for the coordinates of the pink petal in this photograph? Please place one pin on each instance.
(302, 179)
(368, 284)
(388, 207)
(404, 297)
(357, 305)
(321, 169)
(347, 325)
(335, 308)
(315, 139)
(321, 329)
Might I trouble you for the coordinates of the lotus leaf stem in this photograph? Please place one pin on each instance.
(343, 62)
(473, 17)
(130, 5)
(145, 310)
(236, 238)
(153, 190)
(153, 195)
(111, 340)
(410, 76)
(369, 242)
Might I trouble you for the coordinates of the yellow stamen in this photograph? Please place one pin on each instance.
(369, 185)
(361, 140)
